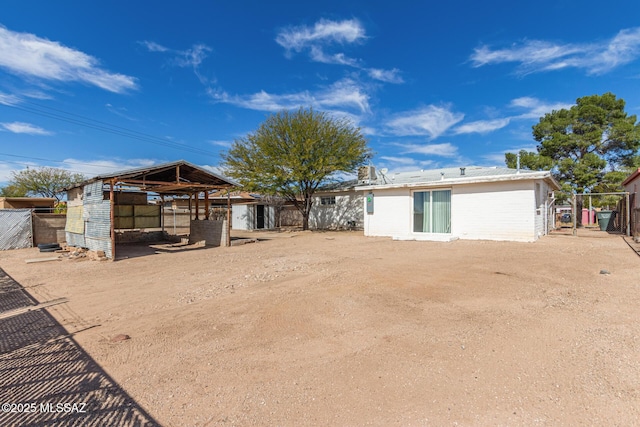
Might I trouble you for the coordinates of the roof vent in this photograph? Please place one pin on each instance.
(441, 176)
(462, 171)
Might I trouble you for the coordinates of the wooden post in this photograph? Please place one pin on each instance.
(574, 210)
(206, 205)
(112, 215)
(162, 213)
(228, 217)
(628, 215)
(197, 205)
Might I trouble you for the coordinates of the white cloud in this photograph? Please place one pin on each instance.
(27, 54)
(317, 39)
(318, 55)
(498, 158)
(91, 168)
(482, 126)
(536, 55)
(432, 121)
(225, 144)
(188, 58)
(7, 99)
(27, 128)
(536, 108)
(342, 94)
(153, 46)
(445, 150)
(388, 76)
(323, 32)
(400, 160)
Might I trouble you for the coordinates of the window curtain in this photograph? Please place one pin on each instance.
(422, 212)
(442, 211)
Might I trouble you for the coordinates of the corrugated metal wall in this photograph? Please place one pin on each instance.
(15, 229)
(97, 216)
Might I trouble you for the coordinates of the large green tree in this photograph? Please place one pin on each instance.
(292, 153)
(44, 182)
(586, 146)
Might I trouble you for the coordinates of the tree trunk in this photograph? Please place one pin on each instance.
(578, 212)
(305, 220)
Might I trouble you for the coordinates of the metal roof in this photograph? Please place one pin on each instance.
(460, 175)
(179, 177)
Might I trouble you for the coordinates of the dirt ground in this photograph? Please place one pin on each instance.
(339, 329)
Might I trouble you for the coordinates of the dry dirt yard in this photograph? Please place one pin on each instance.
(343, 330)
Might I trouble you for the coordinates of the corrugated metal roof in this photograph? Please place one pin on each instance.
(164, 178)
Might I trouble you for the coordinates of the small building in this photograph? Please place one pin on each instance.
(36, 204)
(249, 211)
(337, 206)
(114, 208)
(632, 186)
(483, 203)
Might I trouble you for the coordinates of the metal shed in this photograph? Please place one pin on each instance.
(92, 205)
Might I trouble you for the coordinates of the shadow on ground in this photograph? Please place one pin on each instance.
(44, 369)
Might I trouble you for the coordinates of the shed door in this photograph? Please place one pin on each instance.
(260, 216)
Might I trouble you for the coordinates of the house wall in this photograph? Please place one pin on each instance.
(348, 207)
(485, 211)
(391, 213)
(633, 188)
(494, 211)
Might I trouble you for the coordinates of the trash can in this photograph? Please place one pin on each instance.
(603, 219)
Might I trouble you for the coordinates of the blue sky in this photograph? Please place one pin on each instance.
(97, 87)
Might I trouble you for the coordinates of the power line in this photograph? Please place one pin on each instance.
(68, 117)
(55, 161)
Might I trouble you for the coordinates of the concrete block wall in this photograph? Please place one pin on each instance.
(212, 233)
(48, 228)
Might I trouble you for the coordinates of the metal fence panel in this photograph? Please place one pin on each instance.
(74, 239)
(15, 229)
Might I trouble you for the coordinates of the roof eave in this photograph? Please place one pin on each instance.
(471, 180)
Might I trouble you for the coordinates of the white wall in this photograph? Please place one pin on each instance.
(348, 207)
(494, 211)
(392, 211)
(243, 217)
(485, 211)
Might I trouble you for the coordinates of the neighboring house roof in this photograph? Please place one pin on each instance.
(338, 186)
(631, 177)
(448, 176)
(179, 177)
(27, 202)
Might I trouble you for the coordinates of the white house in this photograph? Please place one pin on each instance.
(484, 203)
(337, 206)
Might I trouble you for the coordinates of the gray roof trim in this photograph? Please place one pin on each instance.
(452, 176)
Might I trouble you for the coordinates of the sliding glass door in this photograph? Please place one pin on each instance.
(432, 211)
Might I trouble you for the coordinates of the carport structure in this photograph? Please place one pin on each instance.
(90, 210)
